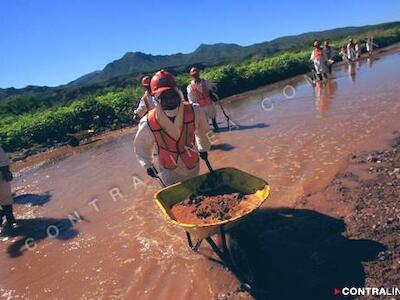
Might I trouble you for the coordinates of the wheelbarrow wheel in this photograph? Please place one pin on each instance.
(73, 141)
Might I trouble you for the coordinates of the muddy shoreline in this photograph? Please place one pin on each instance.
(367, 196)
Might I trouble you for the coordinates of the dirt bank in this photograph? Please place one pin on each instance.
(367, 196)
(344, 236)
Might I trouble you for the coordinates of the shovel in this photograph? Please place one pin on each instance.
(223, 110)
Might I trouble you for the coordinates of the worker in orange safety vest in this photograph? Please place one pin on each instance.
(199, 94)
(177, 129)
(319, 60)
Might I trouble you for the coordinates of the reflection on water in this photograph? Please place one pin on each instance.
(351, 69)
(324, 92)
(370, 61)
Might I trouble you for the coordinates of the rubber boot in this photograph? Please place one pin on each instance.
(8, 213)
(215, 125)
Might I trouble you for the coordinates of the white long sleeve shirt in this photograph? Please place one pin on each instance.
(370, 45)
(351, 53)
(141, 110)
(192, 95)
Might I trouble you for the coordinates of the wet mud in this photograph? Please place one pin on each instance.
(198, 210)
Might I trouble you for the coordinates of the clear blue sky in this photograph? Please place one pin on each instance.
(51, 42)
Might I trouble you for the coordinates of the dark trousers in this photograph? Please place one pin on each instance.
(215, 124)
(7, 211)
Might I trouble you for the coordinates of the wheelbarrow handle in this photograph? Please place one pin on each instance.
(162, 183)
(210, 168)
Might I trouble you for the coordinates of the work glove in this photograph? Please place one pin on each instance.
(6, 174)
(136, 119)
(203, 155)
(152, 172)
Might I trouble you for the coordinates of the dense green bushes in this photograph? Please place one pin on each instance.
(232, 79)
(51, 125)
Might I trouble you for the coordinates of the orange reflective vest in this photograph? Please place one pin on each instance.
(146, 100)
(169, 149)
(203, 97)
(318, 53)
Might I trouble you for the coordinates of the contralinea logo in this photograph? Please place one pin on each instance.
(366, 291)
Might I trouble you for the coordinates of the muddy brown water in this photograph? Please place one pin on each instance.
(124, 248)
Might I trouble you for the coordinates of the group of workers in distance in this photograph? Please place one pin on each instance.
(176, 128)
(323, 57)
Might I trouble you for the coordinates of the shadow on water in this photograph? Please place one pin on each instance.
(37, 230)
(222, 147)
(90, 142)
(234, 127)
(33, 199)
(298, 254)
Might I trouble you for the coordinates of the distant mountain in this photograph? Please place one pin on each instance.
(123, 72)
(30, 89)
(209, 55)
(138, 62)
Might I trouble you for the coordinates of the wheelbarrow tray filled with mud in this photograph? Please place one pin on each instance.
(211, 182)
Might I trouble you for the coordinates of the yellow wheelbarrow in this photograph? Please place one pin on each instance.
(228, 177)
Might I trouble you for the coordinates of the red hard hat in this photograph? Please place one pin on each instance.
(162, 81)
(146, 80)
(193, 71)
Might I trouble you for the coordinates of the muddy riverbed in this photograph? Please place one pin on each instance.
(90, 228)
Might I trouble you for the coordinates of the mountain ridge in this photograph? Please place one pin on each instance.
(215, 54)
(205, 55)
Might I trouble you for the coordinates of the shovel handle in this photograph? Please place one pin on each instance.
(223, 111)
(220, 105)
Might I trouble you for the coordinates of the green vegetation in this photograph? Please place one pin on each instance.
(29, 120)
(51, 126)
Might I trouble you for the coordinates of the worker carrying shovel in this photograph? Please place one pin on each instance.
(6, 199)
(178, 129)
(146, 103)
(199, 94)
